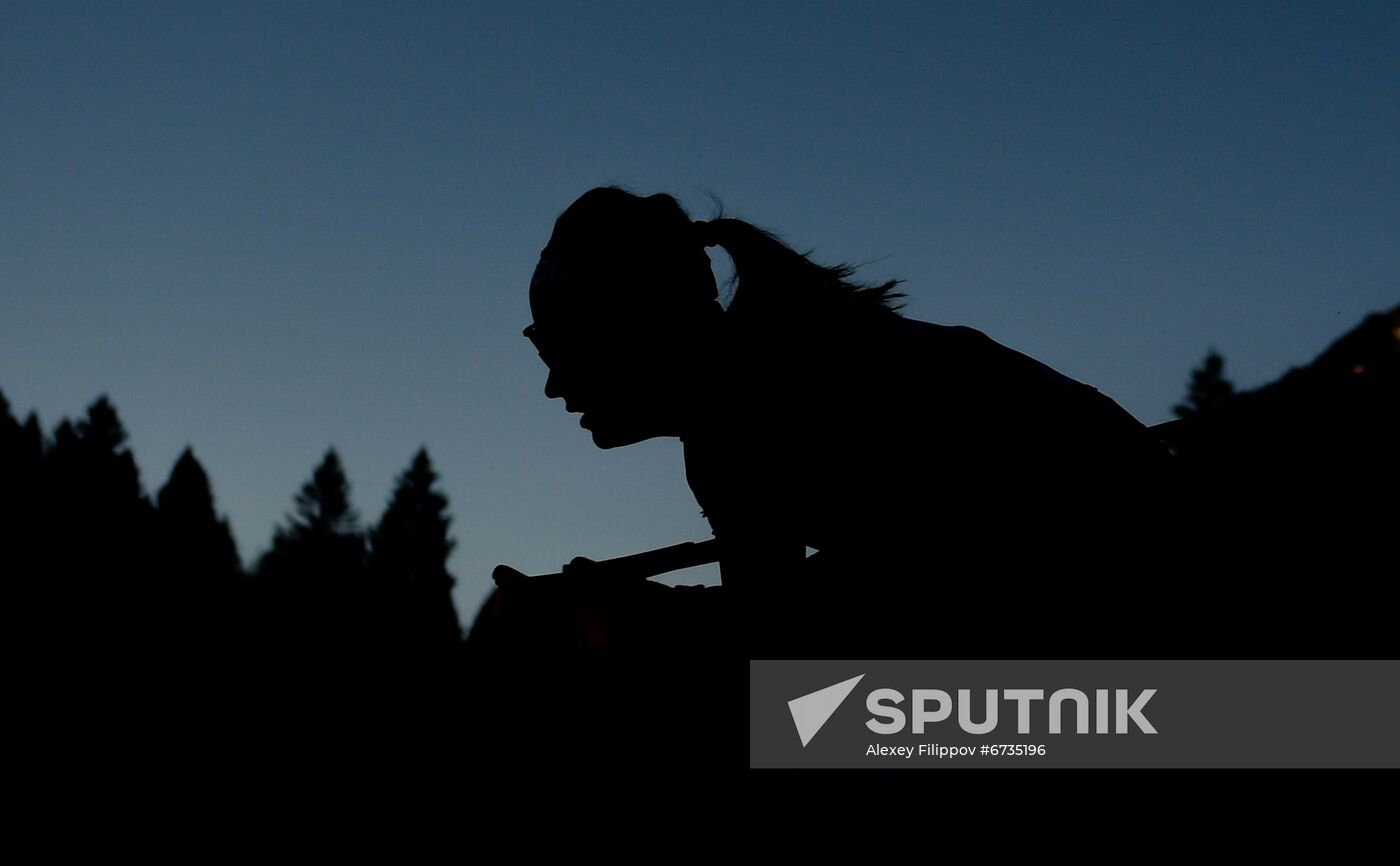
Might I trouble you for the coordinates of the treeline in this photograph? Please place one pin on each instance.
(138, 607)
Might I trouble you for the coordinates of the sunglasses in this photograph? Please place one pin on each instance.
(549, 350)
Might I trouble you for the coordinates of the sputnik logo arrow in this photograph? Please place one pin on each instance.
(810, 712)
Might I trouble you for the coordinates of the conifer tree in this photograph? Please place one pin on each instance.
(96, 509)
(322, 537)
(21, 504)
(409, 550)
(93, 538)
(7, 421)
(194, 541)
(21, 456)
(1209, 388)
(411, 540)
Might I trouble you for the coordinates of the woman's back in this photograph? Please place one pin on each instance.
(930, 468)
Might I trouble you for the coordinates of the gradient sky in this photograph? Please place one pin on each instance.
(264, 229)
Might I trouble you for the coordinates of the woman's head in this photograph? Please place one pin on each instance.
(625, 306)
(627, 317)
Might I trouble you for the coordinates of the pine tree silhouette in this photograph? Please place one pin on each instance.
(101, 430)
(9, 427)
(322, 537)
(99, 519)
(21, 502)
(195, 543)
(108, 469)
(96, 612)
(21, 459)
(194, 593)
(409, 550)
(324, 502)
(1209, 388)
(307, 611)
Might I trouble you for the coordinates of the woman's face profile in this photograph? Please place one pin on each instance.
(602, 365)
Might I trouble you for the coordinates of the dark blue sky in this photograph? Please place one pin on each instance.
(264, 229)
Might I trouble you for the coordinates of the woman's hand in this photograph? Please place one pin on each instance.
(579, 566)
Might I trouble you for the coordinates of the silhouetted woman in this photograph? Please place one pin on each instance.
(956, 492)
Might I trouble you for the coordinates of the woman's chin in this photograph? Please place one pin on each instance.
(605, 436)
(607, 439)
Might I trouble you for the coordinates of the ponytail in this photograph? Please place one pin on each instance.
(772, 279)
